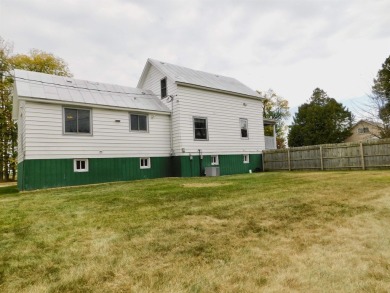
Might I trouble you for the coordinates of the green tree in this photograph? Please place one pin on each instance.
(36, 61)
(380, 98)
(321, 120)
(276, 108)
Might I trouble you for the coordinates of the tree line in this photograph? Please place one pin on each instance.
(35, 60)
(323, 120)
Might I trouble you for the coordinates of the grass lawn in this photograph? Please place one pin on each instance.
(268, 232)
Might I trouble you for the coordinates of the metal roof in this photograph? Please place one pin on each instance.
(48, 87)
(189, 76)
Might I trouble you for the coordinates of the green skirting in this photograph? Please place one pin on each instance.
(37, 174)
(228, 164)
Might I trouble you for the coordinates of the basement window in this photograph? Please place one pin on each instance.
(144, 163)
(80, 165)
(163, 84)
(246, 159)
(214, 160)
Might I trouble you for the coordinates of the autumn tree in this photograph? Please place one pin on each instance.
(321, 120)
(276, 108)
(36, 60)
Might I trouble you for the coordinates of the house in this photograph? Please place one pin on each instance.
(364, 130)
(177, 122)
(270, 134)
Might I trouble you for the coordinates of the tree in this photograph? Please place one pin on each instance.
(320, 120)
(41, 61)
(276, 108)
(37, 61)
(380, 98)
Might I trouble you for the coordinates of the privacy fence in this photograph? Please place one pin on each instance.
(344, 156)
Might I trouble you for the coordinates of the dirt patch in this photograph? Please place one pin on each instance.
(211, 184)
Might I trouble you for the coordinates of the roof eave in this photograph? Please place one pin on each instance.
(61, 102)
(219, 90)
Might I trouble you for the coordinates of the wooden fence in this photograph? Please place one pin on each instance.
(343, 156)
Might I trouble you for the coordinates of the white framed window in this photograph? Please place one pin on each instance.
(77, 121)
(363, 130)
(215, 160)
(163, 83)
(80, 165)
(200, 128)
(138, 122)
(244, 127)
(246, 159)
(144, 163)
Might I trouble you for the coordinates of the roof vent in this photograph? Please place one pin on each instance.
(69, 80)
(162, 62)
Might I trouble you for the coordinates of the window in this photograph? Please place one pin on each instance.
(214, 160)
(246, 159)
(163, 83)
(244, 127)
(200, 128)
(138, 122)
(80, 165)
(363, 130)
(144, 163)
(77, 121)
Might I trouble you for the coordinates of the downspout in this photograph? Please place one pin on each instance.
(200, 162)
(172, 151)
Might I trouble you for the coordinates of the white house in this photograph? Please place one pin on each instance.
(177, 122)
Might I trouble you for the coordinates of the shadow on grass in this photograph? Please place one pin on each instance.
(8, 191)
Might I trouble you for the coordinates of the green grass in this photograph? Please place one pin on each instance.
(269, 232)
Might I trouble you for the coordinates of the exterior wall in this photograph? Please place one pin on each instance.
(44, 138)
(183, 166)
(152, 82)
(21, 131)
(37, 174)
(356, 136)
(223, 112)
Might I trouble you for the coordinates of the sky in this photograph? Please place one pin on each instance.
(289, 46)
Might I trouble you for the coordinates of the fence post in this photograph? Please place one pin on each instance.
(322, 159)
(289, 160)
(362, 156)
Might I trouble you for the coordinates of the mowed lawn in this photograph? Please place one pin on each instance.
(264, 232)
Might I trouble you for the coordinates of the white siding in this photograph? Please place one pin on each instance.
(152, 82)
(223, 112)
(45, 138)
(21, 131)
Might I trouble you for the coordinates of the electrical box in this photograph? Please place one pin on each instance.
(212, 171)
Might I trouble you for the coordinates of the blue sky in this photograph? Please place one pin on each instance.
(289, 46)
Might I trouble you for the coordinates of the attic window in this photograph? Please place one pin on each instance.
(163, 83)
(363, 130)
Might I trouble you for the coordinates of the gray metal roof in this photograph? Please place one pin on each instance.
(189, 76)
(48, 87)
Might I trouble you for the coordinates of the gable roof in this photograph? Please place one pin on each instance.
(373, 123)
(191, 77)
(53, 88)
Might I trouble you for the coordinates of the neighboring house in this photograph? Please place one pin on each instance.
(364, 130)
(177, 122)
